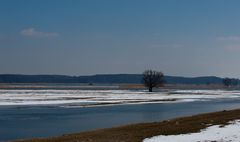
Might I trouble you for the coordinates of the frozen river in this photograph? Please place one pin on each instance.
(83, 98)
(42, 113)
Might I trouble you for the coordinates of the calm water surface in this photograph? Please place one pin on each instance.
(43, 121)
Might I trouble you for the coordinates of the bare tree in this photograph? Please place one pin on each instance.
(227, 82)
(152, 79)
(230, 82)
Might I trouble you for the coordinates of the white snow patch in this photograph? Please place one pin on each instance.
(97, 97)
(228, 133)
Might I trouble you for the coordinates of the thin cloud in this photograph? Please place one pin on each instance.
(229, 38)
(31, 32)
(233, 47)
(167, 45)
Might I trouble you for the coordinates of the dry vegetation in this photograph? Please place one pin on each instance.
(137, 132)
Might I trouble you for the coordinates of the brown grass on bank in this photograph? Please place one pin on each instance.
(137, 132)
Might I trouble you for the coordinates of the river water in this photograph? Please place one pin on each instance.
(21, 122)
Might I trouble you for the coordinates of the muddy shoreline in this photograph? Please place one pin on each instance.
(138, 132)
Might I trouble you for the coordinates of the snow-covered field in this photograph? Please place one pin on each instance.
(228, 133)
(104, 97)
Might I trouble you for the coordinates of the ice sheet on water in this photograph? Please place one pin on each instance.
(46, 97)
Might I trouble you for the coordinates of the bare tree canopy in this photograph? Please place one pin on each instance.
(152, 79)
(227, 81)
(230, 82)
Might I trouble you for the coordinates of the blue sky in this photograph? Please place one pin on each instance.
(84, 37)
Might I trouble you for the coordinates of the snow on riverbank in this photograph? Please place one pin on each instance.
(228, 133)
(100, 97)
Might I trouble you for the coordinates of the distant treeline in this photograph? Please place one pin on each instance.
(106, 78)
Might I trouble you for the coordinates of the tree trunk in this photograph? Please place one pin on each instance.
(150, 89)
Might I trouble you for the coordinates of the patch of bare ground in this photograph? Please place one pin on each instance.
(138, 132)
